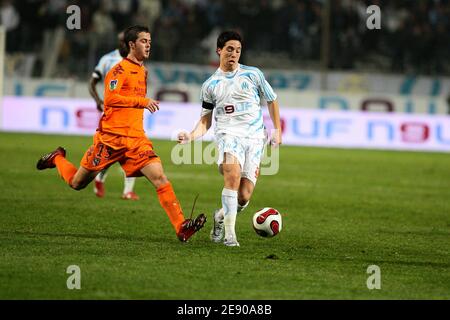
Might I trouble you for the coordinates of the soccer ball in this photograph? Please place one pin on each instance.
(267, 222)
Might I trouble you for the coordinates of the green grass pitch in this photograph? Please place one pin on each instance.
(343, 210)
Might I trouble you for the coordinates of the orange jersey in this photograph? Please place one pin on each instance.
(124, 100)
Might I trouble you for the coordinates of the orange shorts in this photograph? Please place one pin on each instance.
(133, 153)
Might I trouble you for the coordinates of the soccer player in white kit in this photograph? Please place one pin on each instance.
(104, 65)
(233, 95)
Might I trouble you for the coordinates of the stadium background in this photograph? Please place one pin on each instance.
(339, 84)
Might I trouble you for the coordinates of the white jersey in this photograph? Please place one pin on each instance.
(106, 63)
(235, 97)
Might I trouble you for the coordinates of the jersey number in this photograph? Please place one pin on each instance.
(229, 109)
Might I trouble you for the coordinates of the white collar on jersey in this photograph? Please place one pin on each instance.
(230, 74)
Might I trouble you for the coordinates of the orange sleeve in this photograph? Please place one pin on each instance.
(114, 81)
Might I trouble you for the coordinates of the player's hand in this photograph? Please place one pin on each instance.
(99, 105)
(276, 138)
(184, 137)
(152, 106)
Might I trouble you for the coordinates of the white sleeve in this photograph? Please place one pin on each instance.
(265, 88)
(205, 95)
(206, 100)
(99, 71)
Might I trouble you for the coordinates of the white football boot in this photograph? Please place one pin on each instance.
(231, 242)
(218, 231)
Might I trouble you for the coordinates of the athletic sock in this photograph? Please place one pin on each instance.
(128, 184)
(101, 177)
(170, 204)
(229, 205)
(66, 169)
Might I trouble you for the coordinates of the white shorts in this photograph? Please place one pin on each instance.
(246, 150)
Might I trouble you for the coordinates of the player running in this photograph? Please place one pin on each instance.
(233, 92)
(121, 138)
(104, 65)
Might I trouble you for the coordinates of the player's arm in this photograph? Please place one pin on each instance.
(274, 111)
(200, 128)
(113, 98)
(95, 79)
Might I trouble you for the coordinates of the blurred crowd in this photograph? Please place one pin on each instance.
(414, 35)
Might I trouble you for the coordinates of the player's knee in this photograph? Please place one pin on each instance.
(77, 186)
(244, 197)
(232, 180)
(232, 175)
(160, 180)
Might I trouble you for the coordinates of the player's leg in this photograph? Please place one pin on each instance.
(75, 178)
(250, 171)
(231, 169)
(97, 159)
(140, 159)
(128, 186)
(184, 228)
(99, 183)
(231, 156)
(82, 178)
(245, 192)
(246, 189)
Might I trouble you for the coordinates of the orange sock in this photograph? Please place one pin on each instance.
(170, 204)
(66, 169)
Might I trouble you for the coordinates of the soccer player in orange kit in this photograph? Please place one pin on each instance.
(120, 136)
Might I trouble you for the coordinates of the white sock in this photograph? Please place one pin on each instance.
(229, 205)
(241, 208)
(128, 184)
(220, 214)
(101, 177)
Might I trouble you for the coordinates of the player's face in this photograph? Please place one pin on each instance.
(142, 46)
(229, 55)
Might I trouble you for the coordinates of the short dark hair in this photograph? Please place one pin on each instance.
(227, 36)
(131, 34)
(123, 50)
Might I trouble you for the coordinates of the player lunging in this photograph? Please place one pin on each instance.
(120, 136)
(233, 92)
(104, 65)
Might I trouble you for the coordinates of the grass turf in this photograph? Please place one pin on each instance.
(343, 210)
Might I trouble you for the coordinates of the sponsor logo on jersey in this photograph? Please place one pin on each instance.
(118, 70)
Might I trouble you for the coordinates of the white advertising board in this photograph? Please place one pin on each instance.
(322, 128)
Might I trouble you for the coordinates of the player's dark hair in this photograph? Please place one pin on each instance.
(131, 34)
(123, 50)
(227, 36)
